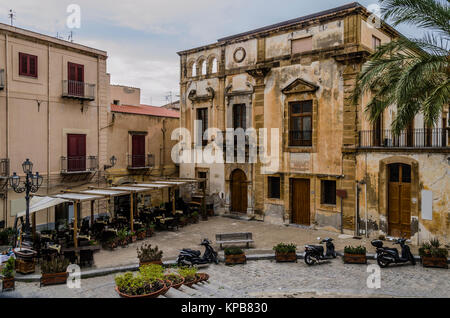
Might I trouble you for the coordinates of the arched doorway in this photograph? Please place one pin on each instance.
(399, 200)
(238, 191)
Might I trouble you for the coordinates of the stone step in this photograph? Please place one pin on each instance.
(214, 292)
(220, 288)
(193, 292)
(175, 293)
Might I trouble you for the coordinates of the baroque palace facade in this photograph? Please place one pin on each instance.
(336, 169)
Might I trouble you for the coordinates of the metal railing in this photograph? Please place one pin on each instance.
(78, 164)
(2, 79)
(4, 167)
(141, 161)
(78, 90)
(413, 138)
(300, 138)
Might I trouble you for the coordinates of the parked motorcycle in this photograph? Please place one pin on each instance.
(387, 255)
(315, 253)
(188, 257)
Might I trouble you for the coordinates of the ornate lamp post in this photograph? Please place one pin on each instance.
(31, 184)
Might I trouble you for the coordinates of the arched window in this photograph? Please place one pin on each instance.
(194, 69)
(204, 68)
(214, 65)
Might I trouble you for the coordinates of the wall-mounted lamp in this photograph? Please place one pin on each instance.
(112, 161)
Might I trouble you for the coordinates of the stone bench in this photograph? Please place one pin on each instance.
(234, 238)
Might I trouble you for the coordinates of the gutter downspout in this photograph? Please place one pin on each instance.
(48, 127)
(6, 126)
(163, 155)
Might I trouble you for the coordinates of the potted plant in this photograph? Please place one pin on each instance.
(234, 255)
(195, 217)
(355, 255)
(8, 274)
(122, 237)
(139, 286)
(285, 252)
(432, 255)
(150, 230)
(175, 279)
(141, 234)
(132, 237)
(54, 271)
(111, 243)
(149, 255)
(189, 275)
(155, 271)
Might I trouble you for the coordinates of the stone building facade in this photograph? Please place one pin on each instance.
(297, 77)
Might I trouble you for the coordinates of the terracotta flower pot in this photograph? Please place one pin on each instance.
(176, 286)
(204, 277)
(190, 283)
(151, 295)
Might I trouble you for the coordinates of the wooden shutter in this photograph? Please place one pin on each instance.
(138, 150)
(76, 152)
(28, 65)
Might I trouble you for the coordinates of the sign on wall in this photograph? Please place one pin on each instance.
(427, 205)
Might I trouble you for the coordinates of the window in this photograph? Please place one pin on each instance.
(203, 68)
(194, 70)
(274, 187)
(116, 102)
(75, 75)
(76, 152)
(302, 45)
(202, 115)
(202, 175)
(138, 151)
(239, 120)
(214, 66)
(300, 123)
(28, 65)
(328, 192)
(376, 42)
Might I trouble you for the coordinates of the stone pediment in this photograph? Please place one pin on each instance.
(300, 86)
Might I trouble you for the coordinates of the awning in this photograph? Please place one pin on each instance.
(151, 185)
(108, 193)
(41, 203)
(76, 197)
(131, 189)
(171, 182)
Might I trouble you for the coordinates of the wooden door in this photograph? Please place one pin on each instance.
(300, 201)
(138, 151)
(76, 152)
(238, 192)
(399, 204)
(76, 79)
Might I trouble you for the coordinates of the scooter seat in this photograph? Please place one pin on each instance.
(317, 247)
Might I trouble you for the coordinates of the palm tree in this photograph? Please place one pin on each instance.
(408, 72)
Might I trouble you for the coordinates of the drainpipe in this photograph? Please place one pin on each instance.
(163, 155)
(7, 124)
(365, 207)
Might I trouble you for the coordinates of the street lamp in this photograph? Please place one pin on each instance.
(112, 161)
(31, 184)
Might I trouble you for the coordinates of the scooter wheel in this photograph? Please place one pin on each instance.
(382, 262)
(309, 260)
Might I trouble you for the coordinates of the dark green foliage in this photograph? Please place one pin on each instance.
(55, 265)
(9, 268)
(148, 254)
(432, 248)
(359, 250)
(233, 250)
(285, 248)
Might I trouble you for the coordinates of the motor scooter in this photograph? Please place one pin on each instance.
(188, 257)
(387, 255)
(315, 253)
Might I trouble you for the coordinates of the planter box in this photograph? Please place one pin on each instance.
(286, 257)
(235, 259)
(430, 261)
(25, 266)
(150, 263)
(54, 278)
(355, 258)
(8, 284)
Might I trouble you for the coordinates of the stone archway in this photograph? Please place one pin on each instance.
(238, 187)
(390, 191)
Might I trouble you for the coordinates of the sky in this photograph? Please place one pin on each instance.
(142, 37)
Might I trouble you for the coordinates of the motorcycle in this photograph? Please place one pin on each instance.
(387, 255)
(188, 257)
(315, 253)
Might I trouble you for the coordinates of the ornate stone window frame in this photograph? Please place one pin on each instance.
(239, 97)
(299, 91)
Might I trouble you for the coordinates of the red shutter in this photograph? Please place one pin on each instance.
(138, 151)
(23, 64)
(33, 65)
(75, 76)
(76, 152)
(28, 65)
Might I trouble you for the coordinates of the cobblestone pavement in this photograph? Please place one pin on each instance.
(270, 279)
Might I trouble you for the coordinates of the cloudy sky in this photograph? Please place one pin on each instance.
(143, 36)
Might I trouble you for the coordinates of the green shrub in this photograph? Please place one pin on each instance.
(233, 250)
(153, 271)
(188, 273)
(432, 248)
(137, 285)
(9, 268)
(148, 254)
(285, 248)
(122, 234)
(358, 250)
(55, 265)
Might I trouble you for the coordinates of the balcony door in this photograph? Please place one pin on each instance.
(238, 191)
(76, 152)
(138, 151)
(75, 83)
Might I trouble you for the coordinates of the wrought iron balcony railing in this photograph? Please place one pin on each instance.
(78, 164)
(2, 79)
(78, 90)
(141, 162)
(4, 167)
(300, 138)
(413, 138)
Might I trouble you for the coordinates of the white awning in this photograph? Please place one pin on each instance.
(110, 193)
(131, 189)
(171, 182)
(41, 203)
(78, 197)
(151, 185)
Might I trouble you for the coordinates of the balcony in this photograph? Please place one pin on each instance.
(78, 90)
(140, 162)
(300, 138)
(2, 79)
(414, 138)
(78, 164)
(4, 168)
